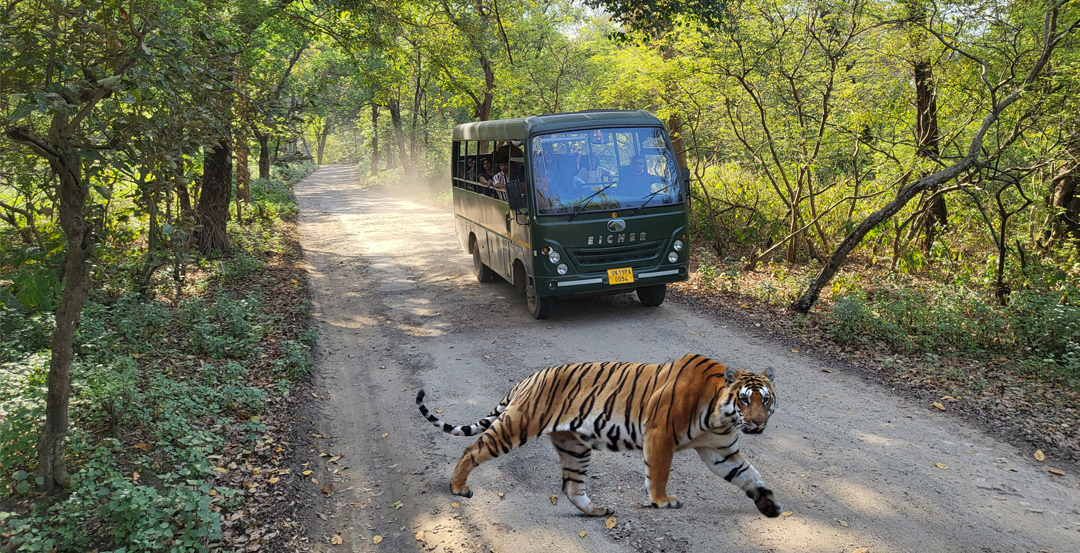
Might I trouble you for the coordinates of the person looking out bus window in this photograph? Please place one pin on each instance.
(500, 178)
(470, 169)
(484, 175)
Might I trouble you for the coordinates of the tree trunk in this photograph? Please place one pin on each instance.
(399, 135)
(243, 174)
(264, 155)
(213, 211)
(935, 214)
(320, 147)
(1066, 202)
(374, 139)
(483, 109)
(66, 161)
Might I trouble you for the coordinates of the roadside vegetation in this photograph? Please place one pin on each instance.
(178, 433)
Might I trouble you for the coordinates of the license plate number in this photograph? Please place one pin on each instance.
(620, 276)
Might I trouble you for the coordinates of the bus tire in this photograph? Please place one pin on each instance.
(539, 307)
(652, 296)
(483, 272)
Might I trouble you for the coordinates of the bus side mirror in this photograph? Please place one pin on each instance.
(515, 196)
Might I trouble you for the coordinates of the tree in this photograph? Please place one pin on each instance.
(1057, 23)
(78, 65)
(212, 214)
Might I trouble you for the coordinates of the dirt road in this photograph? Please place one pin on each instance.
(398, 310)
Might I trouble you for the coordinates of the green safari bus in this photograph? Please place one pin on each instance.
(573, 203)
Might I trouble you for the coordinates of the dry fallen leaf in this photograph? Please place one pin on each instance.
(376, 540)
(793, 350)
(419, 536)
(438, 410)
(582, 533)
(329, 489)
(1039, 455)
(938, 405)
(134, 476)
(143, 447)
(554, 499)
(273, 480)
(335, 539)
(826, 371)
(385, 434)
(335, 458)
(610, 522)
(842, 523)
(940, 466)
(862, 550)
(306, 472)
(786, 514)
(455, 505)
(219, 469)
(1057, 472)
(315, 481)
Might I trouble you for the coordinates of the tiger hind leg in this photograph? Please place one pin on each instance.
(574, 456)
(497, 440)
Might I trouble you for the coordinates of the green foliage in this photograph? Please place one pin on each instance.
(22, 414)
(225, 328)
(945, 319)
(104, 506)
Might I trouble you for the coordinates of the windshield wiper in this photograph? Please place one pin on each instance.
(586, 202)
(651, 196)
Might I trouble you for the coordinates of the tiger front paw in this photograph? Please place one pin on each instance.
(463, 491)
(666, 503)
(763, 500)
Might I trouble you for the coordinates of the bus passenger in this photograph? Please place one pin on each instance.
(635, 176)
(598, 173)
(484, 175)
(499, 180)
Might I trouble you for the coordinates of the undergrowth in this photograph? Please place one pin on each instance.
(170, 400)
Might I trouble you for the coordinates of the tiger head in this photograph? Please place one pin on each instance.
(754, 396)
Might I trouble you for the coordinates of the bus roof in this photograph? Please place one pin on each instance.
(522, 127)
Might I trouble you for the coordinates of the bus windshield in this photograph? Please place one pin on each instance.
(603, 169)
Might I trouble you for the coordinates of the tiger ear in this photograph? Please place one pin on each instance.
(770, 374)
(731, 374)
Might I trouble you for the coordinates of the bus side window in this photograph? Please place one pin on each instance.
(459, 164)
(470, 164)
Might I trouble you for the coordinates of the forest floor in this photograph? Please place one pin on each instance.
(860, 463)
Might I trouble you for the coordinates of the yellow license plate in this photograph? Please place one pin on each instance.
(620, 276)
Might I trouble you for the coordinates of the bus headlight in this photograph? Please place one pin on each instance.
(561, 268)
(673, 257)
(677, 246)
(553, 256)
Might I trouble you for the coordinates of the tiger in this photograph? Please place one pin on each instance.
(694, 402)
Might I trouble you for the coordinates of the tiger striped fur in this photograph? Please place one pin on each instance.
(694, 402)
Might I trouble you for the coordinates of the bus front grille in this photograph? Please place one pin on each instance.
(616, 254)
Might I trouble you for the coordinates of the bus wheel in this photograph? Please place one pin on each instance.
(539, 307)
(483, 272)
(652, 296)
